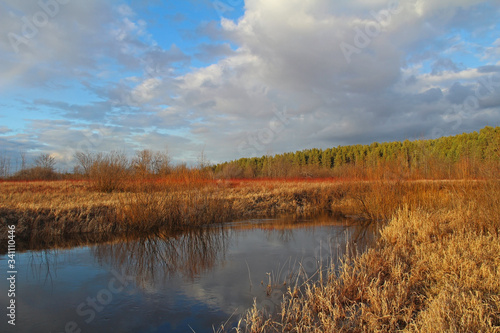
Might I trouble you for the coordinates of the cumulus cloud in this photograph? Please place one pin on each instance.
(286, 75)
(289, 55)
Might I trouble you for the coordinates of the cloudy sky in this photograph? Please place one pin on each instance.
(238, 78)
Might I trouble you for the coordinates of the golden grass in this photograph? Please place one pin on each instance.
(65, 208)
(436, 268)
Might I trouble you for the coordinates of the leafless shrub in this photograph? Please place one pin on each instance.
(109, 172)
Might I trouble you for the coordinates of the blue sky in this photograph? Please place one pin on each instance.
(238, 78)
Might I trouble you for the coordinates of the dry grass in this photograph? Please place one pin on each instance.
(63, 208)
(436, 268)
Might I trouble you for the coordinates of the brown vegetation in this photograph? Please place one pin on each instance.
(63, 208)
(41, 210)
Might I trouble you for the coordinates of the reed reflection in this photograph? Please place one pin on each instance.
(350, 233)
(190, 253)
(43, 265)
(155, 258)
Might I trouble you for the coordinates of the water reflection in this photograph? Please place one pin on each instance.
(43, 266)
(276, 254)
(154, 258)
(197, 278)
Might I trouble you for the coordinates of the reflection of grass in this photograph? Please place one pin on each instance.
(191, 253)
(435, 268)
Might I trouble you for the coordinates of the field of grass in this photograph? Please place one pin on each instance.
(47, 210)
(435, 267)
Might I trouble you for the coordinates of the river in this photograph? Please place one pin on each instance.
(182, 282)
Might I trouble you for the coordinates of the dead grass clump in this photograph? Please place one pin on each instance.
(152, 210)
(455, 310)
(43, 223)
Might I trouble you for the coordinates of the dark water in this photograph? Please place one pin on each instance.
(185, 282)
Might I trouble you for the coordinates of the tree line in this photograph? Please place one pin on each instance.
(42, 168)
(465, 155)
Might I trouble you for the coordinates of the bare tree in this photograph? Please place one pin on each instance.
(231, 170)
(143, 163)
(161, 163)
(45, 161)
(44, 169)
(109, 172)
(23, 160)
(202, 160)
(85, 161)
(147, 162)
(4, 166)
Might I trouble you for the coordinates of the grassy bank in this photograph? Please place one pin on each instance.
(435, 268)
(52, 209)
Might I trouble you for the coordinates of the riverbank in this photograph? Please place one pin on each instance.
(43, 210)
(65, 209)
(434, 269)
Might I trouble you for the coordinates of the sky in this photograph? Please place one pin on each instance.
(234, 78)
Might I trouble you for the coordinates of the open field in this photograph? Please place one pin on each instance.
(42, 210)
(47, 210)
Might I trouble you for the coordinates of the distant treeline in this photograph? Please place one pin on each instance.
(461, 156)
(469, 155)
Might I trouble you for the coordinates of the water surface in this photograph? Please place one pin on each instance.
(172, 282)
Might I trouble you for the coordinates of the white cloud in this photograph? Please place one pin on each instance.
(145, 91)
(279, 56)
